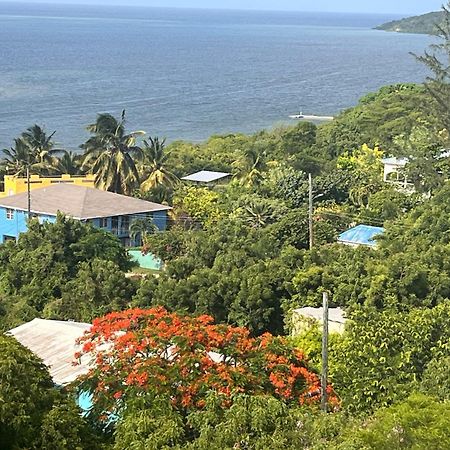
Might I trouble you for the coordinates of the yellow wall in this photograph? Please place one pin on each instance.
(15, 185)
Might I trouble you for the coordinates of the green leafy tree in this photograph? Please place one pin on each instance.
(63, 428)
(366, 170)
(200, 204)
(420, 422)
(382, 354)
(26, 394)
(99, 287)
(236, 273)
(150, 423)
(377, 120)
(252, 422)
(438, 85)
(436, 379)
(39, 267)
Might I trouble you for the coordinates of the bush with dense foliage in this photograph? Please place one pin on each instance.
(55, 268)
(420, 422)
(383, 354)
(33, 413)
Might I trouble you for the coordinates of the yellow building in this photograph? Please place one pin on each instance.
(16, 185)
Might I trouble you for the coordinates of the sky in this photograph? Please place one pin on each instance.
(406, 7)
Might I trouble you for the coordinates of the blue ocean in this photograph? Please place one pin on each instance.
(188, 74)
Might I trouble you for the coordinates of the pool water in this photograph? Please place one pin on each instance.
(147, 261)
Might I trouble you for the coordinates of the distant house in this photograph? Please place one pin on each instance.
(105, 210)
(361, 235)
(54, 342)
(207, 177)
(393, 168)
(303, 318)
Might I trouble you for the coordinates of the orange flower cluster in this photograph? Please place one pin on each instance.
(185, 358)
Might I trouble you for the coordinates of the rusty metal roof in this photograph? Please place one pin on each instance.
(54, 342)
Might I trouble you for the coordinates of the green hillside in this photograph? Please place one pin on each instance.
(424, 24)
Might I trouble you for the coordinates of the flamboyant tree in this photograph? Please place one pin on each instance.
(184, 358)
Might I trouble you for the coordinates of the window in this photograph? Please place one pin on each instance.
(104, 222)
(115, 224)
(10, 214)
(125, 225)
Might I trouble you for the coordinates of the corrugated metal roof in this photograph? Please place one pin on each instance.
(206, 176)
(55, 343)
(361, 235)
(334, 314)
(79, 202)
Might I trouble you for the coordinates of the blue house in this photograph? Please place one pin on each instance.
(361, 235)
(105, 210)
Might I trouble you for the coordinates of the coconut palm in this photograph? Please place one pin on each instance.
(34, 149)
(40, 144)
(154, 170)
(110, 152)
(142, 228)
(16, 158)
(68, 163)
(250, 167)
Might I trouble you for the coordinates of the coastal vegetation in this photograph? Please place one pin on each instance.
(423, 24)
(201, 355)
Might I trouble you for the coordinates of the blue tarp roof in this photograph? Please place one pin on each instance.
(361, 235)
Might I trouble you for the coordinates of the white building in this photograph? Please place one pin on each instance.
(304, 318)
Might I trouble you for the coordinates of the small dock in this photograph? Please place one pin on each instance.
(311, 117)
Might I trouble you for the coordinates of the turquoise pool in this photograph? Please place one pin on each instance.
(147, 261)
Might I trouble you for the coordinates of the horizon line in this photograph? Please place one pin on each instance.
(205, 8)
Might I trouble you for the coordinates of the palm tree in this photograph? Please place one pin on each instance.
(68, 163)
(40, 144)
(142, 228)
(257, 214)
(110, 152)
(250, 167)
(34, 149)
(16, 158)
(153, 166)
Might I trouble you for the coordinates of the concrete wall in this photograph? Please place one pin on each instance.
(16, 185)
(11, 228)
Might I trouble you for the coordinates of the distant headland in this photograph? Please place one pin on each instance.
(424, 24)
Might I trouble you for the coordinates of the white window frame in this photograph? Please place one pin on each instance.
(9, 214)
(103, 222)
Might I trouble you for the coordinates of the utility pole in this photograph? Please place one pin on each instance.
(324, 378)
(28, 191)
(310, 218)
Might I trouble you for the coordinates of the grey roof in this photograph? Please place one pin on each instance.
(206, 176)
(55, 343)
(334, 314)
(79, 202)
